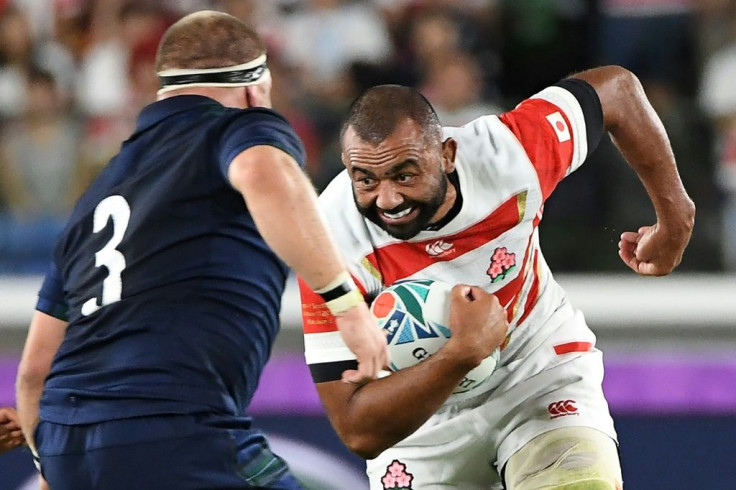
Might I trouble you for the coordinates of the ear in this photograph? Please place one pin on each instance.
(258, 95)
(449, 150)
(344, 159)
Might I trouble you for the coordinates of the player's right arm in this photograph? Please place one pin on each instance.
(371, 418)
(283, 205)
(640, 136)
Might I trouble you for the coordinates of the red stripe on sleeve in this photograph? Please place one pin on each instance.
(570, 347)
(544, 131)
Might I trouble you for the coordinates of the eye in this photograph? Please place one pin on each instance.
(364, 182)
(404, 178)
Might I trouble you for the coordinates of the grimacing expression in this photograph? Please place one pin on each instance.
(401, 183)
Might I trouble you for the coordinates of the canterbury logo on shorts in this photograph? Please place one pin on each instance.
(562, 408)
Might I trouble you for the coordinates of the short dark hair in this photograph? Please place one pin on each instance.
(376, 113)
(208, 39)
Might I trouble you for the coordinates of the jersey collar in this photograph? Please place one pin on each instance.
(161, 109)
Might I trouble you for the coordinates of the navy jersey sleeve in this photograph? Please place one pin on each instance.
(259, 126)
(51, 296)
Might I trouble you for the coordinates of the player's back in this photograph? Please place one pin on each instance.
(172, 295)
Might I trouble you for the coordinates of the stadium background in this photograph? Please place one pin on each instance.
(74, 73)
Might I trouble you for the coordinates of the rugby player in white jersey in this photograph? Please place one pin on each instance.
(463, 205)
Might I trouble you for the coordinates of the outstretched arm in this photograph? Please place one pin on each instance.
(283, 204)
(640, 136)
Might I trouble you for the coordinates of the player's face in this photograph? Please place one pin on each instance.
(401, 184)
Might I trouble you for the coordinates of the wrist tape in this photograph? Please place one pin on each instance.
(340, 294)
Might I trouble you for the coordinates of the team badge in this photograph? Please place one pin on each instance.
(502, 262)
(396, 477)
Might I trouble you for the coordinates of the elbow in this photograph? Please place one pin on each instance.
(367, 446)
(29, 377)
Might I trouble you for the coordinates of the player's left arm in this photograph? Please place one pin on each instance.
(641, 138)
(44, 338)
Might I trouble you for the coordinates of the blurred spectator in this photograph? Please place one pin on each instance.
(326, 36)
(453, 83)
(19, 50)
(38, 162)
(543, 41)
(653, 38)
(116, 77)
(718, 99)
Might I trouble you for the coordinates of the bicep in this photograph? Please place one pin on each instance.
(262, 169)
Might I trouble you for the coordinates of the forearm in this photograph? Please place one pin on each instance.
(45, 335)
(379, 414)
(28, 395)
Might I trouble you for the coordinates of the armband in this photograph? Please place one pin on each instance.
(340, 294)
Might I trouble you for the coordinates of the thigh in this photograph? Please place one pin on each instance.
(570, 457)
(158, 452)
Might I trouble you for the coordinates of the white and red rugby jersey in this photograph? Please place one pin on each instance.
(506, 167)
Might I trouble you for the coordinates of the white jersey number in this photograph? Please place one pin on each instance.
(117, 208)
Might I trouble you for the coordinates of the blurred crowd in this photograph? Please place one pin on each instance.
(75, 73)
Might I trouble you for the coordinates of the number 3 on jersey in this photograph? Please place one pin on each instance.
(117, 208)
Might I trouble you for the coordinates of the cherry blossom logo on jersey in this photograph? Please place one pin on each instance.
(396, 477)
(502, 262)
(562, 408)
(440, 248)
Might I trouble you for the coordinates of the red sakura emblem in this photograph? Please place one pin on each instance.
(502, 262)
(396, 477)
(562, 408)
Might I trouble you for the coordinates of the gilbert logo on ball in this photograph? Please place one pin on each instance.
(416, 315)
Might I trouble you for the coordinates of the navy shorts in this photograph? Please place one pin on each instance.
(179, 452)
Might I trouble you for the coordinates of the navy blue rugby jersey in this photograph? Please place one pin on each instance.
(171, 294)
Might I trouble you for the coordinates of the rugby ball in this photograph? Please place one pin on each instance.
(415, 313)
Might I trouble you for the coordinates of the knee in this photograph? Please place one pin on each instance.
(553, 479)
(590, 484)
(566, 459)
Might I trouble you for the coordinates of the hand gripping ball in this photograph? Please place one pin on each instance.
(416, 315)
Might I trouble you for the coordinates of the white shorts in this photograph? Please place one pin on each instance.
(549, 383)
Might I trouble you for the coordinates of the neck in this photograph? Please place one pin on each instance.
(447, 205)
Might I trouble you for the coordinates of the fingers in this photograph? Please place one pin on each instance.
(646, 252)
(355, 377)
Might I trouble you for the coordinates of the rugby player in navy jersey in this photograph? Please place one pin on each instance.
(161, 306)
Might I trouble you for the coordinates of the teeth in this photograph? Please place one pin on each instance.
(398, 215)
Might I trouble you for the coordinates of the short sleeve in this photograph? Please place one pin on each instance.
(51, 296)
(558, 128)
(256, 127)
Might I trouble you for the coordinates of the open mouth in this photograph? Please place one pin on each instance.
(399, 217)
